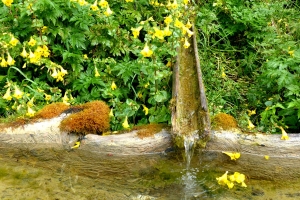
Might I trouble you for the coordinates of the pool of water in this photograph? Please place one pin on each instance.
(57, 175)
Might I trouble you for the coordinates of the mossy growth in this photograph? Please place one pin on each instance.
(149, 130)
(93, 118)
(223, 121)
(51, 111)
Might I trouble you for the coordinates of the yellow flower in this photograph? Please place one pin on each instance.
(103, 3)
(250, 125)
(230, 184)
(291, 53)
(82, 2)
(94, 7)
(113, 86)
(136, 31)
(96, 72)
(284, 134)
(129, 1)
(267, 157)
(146, 52)
(223, 75)
(30, 112)
(174, 5)
(251, 112)
(146, 85)
(7, 95)
(10, 60)
(18, 93)
(3, 62)
(169, 64)
(85, 56)
(233, 156)
(45, 51)
(145, 109)
(66, 99)
(223, 179)
(111, 113)
(24, 53)
(158, 33)
(13, 41)
(239, 178)
(54, 73)
(30, 103)
(32, 42)
(108, 11)
(188, 24)
(125, 123)
(7, 2)
(185, 2)
(44, 29)
(168, 19)
(47, 97)
(189, 32)
(186, 43)
(178, 23)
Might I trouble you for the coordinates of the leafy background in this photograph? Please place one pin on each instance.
(249, 53)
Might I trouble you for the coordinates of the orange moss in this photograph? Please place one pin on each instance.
(51, 110)
(149, 130)
(224, 121)
(21, 121)
(94, 118)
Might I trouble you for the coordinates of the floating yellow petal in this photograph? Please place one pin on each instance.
(223, 179)
(267, 157)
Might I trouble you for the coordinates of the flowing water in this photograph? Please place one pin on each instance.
(58, 175)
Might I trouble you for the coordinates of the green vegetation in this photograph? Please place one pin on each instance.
(250, 59)
(122, 53)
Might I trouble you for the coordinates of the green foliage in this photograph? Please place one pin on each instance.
(77, 51)
(250, 57)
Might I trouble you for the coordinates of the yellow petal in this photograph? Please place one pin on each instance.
(267, 157)
(125, 123)
(113, 86)
(223, 179)
(233, 156)
(284, 134)
(250, 125)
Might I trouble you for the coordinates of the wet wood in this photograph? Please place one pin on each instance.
(190, 114)
(283, 162)
(46, 134)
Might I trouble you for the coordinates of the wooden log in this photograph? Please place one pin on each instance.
(46, 134)
(283, 162)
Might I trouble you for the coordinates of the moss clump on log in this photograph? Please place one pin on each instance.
(94, 119)
(223, 121)
(51, 111)
(149, 130)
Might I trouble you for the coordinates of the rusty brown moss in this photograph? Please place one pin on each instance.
(149, 130)
(94, 119)
(51, 111)
(223, 121)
